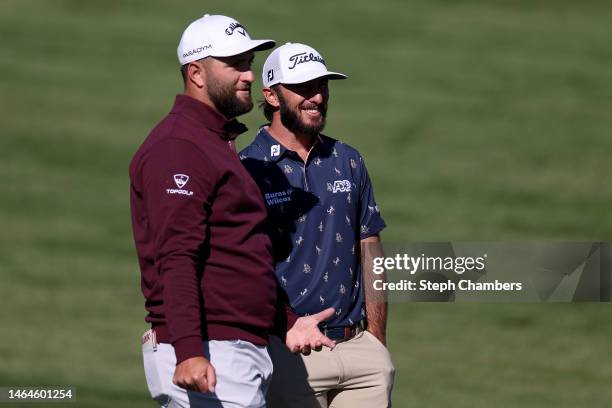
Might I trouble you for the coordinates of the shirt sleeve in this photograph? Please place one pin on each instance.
(177, 192)
(371, 222)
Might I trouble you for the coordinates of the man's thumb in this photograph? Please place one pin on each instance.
(324, 314)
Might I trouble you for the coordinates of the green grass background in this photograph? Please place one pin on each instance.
(479, 120)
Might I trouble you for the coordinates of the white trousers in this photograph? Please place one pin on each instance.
(243, 375)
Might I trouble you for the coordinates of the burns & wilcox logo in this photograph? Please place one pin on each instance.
(278, 197)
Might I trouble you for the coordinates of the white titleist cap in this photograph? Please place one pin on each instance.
(295, 64)
(217, 36)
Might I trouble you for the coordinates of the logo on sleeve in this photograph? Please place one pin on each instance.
(275, 150)
(180, 180)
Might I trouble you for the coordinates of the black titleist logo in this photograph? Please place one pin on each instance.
(235, 27)
(302, 57)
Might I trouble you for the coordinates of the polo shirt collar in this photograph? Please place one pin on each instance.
(275, 151)
(208, 117)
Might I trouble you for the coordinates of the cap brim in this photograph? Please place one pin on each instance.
(315, 75)
(251, 45)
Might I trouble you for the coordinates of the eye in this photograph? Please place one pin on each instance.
(243, 64)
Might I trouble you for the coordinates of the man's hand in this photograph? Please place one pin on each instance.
(305, 334)
(195, 374)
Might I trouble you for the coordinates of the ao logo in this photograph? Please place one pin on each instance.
(181, 180)
(342, 186)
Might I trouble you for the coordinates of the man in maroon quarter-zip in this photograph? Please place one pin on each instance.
(197, 217)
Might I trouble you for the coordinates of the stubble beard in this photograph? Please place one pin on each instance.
(224, 97)
(291, 119)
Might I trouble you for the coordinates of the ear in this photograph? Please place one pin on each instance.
(195, 74)
(271, 97)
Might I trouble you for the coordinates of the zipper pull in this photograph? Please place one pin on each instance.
(232, 146)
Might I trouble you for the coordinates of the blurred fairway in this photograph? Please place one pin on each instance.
(479, 120)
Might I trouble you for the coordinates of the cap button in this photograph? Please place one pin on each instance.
(287, 43)
(206, 15)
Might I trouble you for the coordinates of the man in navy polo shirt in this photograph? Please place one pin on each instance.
(322, 218)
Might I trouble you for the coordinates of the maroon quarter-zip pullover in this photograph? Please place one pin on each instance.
(197, 216)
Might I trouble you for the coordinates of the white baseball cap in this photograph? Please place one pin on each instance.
(295, 63)
(216, 36)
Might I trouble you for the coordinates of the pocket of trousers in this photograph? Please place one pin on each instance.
(386, 360)
(152, 369)
(375, 340)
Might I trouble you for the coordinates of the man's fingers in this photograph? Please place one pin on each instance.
(326, 341)
(195, 374)
(211, 376)
(293, 346)
(186, 385)
(306, 350)
(201, 383)
(179, 382)
(324, 314)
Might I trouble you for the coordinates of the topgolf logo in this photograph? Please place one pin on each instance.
(181, 180)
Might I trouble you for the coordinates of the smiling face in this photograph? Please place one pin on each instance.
(303, 107)
(228, 83)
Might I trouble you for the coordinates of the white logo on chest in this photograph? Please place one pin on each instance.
(181, 180)
(341, 186)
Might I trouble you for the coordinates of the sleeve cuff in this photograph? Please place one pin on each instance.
(188, 347)
(375, 230)
(291, 317)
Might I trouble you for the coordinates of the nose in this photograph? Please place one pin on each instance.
(248, 76)
(317, 98)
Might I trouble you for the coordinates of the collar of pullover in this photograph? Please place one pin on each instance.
(208, 117)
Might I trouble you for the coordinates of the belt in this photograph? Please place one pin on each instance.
(344, 333)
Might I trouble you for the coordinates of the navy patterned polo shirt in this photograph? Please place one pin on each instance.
(317, 214)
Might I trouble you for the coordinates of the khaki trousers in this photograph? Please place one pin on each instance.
(356, 373)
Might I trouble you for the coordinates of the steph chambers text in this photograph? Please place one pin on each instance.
(462, 285)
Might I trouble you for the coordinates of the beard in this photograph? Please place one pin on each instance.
(290, 118)
(224, 97)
